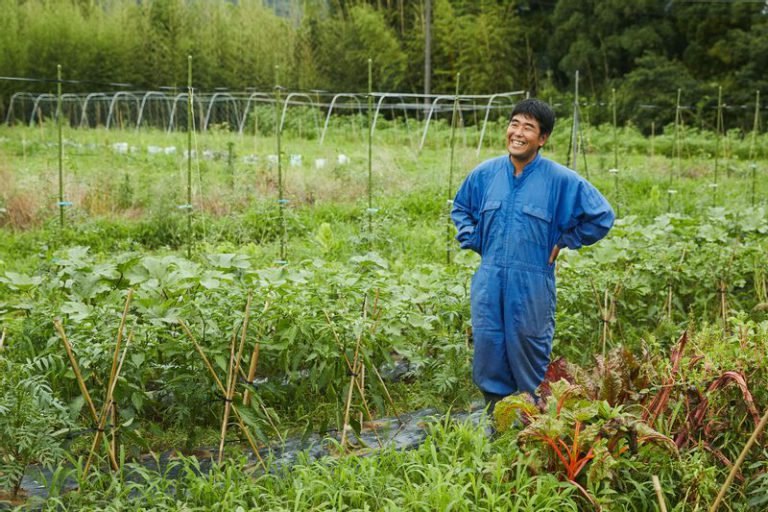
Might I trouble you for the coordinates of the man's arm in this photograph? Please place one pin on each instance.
(464, 215)
(589, 218)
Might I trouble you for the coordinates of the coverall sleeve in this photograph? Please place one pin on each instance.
(589, 218)
(465, 215)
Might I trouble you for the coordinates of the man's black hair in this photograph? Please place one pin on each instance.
(539, 110)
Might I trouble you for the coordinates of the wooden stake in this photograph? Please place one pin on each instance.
(723, 304)
(743, 455)
(355, 370)
(107, 406)
(234, 368)
(2, 338)
(120, 332)
(76, 369)
(349, 365)
(208, 365)
(227, 400)
(113, 430)
(659, 495)
(252, 366)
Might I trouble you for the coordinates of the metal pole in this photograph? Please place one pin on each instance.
(427, 52)
(615, 136)
(190, 127)
(449, 225)
(678, 151)
(61, 149)
(755, 128)
(280, 199)
(370, 149)
(574, 149)
(231, 163)
(718, 137)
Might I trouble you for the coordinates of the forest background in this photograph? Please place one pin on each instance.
(645, 49)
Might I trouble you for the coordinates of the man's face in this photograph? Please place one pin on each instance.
(524, 137)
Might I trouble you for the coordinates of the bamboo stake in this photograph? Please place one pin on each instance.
(723, 303)
(669, 302)
(348, 404)
(743, 455)
(360, 385)
(83, 389)
(234, 367)
(243, 334)
(606, 319)
(208, 365)
(113, 431)
(659, 495)
(120, 329)
(261, 404)
(361, 389)
(76, 369)
(2, 338)
(252, 366)
(107, 406)
(349, 365)
(113, 441)
(227, 400)
(352, 380)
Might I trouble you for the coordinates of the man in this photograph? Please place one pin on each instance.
(517, 211)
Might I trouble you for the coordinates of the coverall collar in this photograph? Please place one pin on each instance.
(528, 169)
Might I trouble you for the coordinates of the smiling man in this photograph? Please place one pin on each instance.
(517, 211)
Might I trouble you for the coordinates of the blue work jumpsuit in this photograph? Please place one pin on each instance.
(514, 222)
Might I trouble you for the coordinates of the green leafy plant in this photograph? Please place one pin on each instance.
(32, 423)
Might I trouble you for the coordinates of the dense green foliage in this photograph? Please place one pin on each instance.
(645, 49)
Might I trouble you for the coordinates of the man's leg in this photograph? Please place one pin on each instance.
(490, 365)
(529, 328)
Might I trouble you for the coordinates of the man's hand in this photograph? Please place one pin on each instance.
(553, 254)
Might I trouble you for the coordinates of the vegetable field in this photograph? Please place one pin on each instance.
(206, 307)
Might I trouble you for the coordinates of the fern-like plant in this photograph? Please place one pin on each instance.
(32, 422)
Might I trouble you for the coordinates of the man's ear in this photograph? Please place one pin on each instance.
(543, 139)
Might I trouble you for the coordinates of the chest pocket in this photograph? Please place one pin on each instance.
(492, 223)
(536, 222)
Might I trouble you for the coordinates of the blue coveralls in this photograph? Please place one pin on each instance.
(514, 222)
